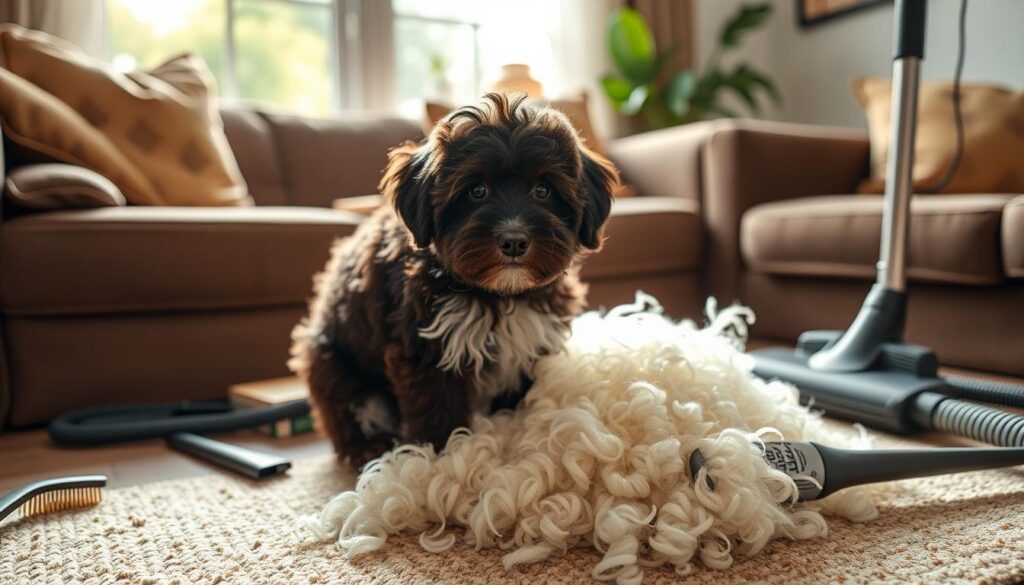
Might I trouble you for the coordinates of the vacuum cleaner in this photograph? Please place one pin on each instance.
(867, 373)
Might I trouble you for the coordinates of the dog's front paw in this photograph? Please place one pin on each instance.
(373, 448)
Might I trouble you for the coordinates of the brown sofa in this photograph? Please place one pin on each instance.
(786, 237)
(135, 304)
(153, 304)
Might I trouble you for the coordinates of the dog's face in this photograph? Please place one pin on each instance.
(505, 195)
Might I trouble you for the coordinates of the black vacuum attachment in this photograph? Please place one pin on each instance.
(900, 392)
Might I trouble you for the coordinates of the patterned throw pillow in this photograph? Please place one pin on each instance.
(155, 134)
(993, 136)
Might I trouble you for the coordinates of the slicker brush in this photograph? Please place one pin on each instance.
(51, 495)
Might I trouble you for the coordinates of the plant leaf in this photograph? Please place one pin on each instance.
(637, 99)
(631, 45)
(708, 86)
(617, 89)
(741, 82)
(760, 79)
(747, 82)
(747, 97)
(749, 17)
(724, 111)
(664, 57)
(679, 92)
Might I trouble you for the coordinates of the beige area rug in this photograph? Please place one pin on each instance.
(218, 529)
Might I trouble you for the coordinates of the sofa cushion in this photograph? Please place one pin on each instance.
(323, 159)
(1013, 238)
(124, 259)
(252, 142)
(953, 238)
(648, 235)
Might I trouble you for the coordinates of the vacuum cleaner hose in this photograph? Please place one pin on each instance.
(981, 423)
(114, 424)
(986, 391)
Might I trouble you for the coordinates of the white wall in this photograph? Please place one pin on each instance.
(583, 58)
(813, 67)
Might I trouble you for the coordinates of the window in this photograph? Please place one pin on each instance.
(281, 52)
(310, 56)
(450, 50)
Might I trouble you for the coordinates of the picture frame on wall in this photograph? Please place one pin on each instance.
(814, 12)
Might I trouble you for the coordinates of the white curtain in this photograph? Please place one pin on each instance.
(80, 22)
(377, 47)
(366, 52)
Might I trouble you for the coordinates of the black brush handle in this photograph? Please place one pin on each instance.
(846, 468)
(819, 471)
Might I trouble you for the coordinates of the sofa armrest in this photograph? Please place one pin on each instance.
(749, 162)
(663, 163)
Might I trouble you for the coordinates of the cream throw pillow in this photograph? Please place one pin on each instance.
(993, 160)
(157, 134)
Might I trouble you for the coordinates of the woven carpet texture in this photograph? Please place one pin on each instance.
(219, 529)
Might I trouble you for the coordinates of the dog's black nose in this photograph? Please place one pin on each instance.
(513, 244)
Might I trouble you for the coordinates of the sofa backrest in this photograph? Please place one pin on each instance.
(294, 160)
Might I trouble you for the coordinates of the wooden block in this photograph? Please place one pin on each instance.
(268, 392)
(365, 204)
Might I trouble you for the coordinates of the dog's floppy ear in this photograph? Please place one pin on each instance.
(407, 185)
(599, 178)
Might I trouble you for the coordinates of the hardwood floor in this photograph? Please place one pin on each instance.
(30, 455)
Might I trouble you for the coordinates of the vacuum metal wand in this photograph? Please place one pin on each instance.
(881, 319)
(819, 470)
(899, 185)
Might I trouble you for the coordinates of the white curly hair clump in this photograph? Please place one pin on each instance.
(596, 456)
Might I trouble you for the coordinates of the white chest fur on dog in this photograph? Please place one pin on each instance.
(496, 347)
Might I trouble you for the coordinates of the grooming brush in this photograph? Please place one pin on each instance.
(50, 495)
(819, 471)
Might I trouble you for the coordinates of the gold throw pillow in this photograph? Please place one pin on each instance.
(155, 134)
(993, 136)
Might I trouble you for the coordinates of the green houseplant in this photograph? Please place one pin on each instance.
(645, 88)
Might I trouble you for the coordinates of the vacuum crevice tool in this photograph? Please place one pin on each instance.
(248, 462)
(819, 471)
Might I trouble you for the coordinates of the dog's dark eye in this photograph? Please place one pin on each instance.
(542, 191)
(478, 191)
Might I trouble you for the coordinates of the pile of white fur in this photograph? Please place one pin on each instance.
(596, 456)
